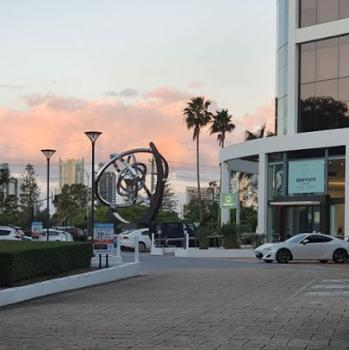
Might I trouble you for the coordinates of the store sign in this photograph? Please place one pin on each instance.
(228, 200)
(37, 227)
(306, 176)
(103, 238)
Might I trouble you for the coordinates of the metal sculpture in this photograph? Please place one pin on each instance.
(132, 182)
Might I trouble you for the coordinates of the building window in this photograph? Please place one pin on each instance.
(313, 12)
(324, 84)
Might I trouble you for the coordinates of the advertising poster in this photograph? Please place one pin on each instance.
(103, 238)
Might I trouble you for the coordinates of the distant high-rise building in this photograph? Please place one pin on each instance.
(107, 187)
(71, 171)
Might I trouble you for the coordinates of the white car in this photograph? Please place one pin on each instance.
(54, 236)
(305, 246)
(128, 239)
(11, 233)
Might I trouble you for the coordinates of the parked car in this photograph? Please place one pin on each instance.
(172, 234)
(54, 236)
(305, 246)
(77, 233)
(128, 239)
(12, 233)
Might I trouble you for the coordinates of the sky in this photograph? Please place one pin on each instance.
(128, 68)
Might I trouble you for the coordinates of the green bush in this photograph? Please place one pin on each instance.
(202, 235)
(21, 261)
(231, 234)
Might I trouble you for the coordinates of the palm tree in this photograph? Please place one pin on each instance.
(197, 117)
(221, 124)
(260, 133)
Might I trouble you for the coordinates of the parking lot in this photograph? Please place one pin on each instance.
(192, 304)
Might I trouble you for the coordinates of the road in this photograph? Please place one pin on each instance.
(192, 304)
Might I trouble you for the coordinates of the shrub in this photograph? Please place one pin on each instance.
(202, 235)
(25, 260)
(230, 232)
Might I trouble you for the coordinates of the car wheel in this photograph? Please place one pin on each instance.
(142, 247)
(283, 256)
(323, 261)
(340, 256)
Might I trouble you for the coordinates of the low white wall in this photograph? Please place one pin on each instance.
(17, 294)
(214, 253)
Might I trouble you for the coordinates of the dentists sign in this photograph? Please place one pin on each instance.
(306, 176)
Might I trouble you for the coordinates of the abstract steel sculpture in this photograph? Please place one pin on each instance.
(132, 182)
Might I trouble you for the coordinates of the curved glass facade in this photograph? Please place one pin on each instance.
(324, 84)
(282, 67)
(313, 12)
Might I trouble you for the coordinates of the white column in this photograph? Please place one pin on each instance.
(262, 195)
(225, 213)
(292, 100)
(238, 209)
(346, 201)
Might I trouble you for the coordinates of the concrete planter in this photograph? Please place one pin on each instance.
(17, 294)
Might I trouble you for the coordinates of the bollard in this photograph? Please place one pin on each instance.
(136, 250)
(118, 248)
(152, 240)
(187, 241)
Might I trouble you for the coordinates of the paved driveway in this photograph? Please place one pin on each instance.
(187, 304)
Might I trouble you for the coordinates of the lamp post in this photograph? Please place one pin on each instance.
(93, 136)
(48, 153)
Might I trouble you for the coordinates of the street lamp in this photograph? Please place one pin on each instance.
(93, 136)
(48, 153)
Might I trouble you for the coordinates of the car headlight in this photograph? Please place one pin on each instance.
(269, 249)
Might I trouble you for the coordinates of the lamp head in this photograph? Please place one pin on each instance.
(48, 153)
(93, 135)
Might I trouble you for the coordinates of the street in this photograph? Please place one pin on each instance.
(192, 304)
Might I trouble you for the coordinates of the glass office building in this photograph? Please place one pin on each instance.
(303, 170)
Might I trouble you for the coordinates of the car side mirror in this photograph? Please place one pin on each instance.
(306, 241)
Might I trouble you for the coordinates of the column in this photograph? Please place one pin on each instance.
(262, 195)
(225, 183)
(346, 200)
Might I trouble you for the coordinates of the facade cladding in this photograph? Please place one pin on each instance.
(303, 171)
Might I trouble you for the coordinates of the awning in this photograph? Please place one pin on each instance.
(298, 203)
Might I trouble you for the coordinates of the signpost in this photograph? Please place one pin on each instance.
(104, 239)
(37, 228)
(228, 200)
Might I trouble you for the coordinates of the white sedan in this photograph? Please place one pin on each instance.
(54, 236)
(305, 246)
(128, 239)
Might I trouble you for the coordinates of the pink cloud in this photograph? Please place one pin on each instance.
(196, 85)
(59, 122)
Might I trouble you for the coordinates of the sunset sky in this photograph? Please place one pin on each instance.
(127, 68)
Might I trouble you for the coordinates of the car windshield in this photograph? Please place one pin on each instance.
(296, 238)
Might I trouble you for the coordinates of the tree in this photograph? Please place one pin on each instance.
(197, 117)
(221, 124)
(4, 179)
(260, 133)
(30, 194)
(71, 205)
(169, 201)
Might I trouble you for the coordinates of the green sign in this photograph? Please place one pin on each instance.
(228, 200)
(306, 176)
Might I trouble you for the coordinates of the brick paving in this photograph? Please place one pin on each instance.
(243, 308)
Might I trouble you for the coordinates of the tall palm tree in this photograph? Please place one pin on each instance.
(221, 124)
(197, 117)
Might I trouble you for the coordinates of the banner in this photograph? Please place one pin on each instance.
(306, 176)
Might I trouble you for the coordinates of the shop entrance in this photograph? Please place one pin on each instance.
(293, 217)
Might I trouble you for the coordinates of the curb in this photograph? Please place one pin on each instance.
(15, 295)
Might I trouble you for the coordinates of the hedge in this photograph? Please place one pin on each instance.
(25, 260)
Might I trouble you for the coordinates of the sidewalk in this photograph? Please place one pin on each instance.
(243, 308)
